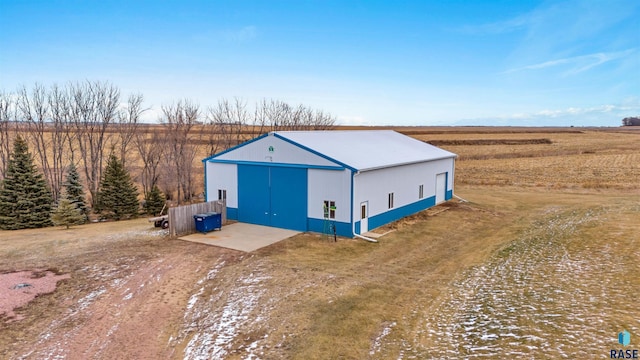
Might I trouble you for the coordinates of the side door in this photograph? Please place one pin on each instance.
(364, 217)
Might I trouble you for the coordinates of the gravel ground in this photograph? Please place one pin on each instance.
(19, 288)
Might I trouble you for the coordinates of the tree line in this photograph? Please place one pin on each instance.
(83, 124)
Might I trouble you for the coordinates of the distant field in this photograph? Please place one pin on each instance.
(542, 262)
(564, 159)
(548, 157)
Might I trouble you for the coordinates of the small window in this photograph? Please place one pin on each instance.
(363, 211)
(420, 191)
(390, 200)
(222, 194)
(329, 209)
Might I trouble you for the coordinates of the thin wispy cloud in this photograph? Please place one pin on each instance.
(499, 27)
(576, 64)
(352, 120)
(240, 35)
(584, 111)
(609, 114)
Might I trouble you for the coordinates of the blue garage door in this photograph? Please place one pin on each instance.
(273, 196)
(253, 194)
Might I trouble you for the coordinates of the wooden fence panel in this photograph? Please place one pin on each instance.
(181, 217)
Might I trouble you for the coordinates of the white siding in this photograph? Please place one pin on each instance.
(283, 152)
(404, 181)
(387, 162)
(222, 176)
(329, 185)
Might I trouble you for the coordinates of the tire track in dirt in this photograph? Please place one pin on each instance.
(134, 315)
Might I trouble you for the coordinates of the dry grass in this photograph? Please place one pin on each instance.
(563, 287)
(564, 158)
(550, 227)
(590, 159)
(329, 300)
(353, 300)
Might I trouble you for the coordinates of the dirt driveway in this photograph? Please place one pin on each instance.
(133, 294)
(128, 289)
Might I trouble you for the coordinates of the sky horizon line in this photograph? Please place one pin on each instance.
(530, 63)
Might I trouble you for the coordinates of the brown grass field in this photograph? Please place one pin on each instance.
(542, 262)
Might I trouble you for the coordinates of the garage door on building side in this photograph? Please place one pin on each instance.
(273, 196)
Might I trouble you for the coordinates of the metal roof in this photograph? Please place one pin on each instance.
(366, 149)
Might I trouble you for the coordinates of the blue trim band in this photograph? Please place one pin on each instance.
(317, 225)
(232, 213)
(398, 213)
(258, 163)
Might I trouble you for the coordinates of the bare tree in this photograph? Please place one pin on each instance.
(33, 111)
(46, 132)
(179, 120)
(323, 121)
(278, 115)
(61, 137)
(128, 123)
(7, 115)
(93, 107)
(229, 120)
(44, 115)
(151, 150)
(228, 123)
(261, 116)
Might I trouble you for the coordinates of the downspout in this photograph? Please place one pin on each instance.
(459, 198)
(353, 223)
(353, 229)
(365, 238)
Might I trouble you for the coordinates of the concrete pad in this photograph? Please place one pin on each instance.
(242, 236)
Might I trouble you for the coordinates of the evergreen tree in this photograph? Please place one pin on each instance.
(25, 199)
(67, 214)
(154, 201)
(117, 196)
(75, 192)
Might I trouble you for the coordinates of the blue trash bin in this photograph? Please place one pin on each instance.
(208, 222)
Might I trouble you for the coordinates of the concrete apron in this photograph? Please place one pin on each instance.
(242, 236)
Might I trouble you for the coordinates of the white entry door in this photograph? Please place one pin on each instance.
(441, 187)
(364, 217)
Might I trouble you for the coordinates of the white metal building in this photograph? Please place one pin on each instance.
(359, 180)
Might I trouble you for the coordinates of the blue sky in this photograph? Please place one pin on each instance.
(366, 62)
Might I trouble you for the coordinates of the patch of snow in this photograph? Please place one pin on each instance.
(508, 307)
(90, 298)
(194, 298)
(218, 329)
(377, 342)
